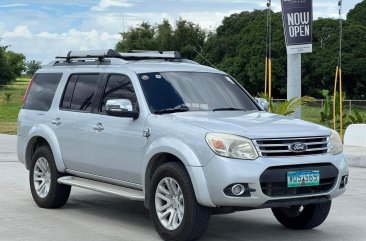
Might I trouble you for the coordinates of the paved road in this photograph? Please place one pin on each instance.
(93, 216)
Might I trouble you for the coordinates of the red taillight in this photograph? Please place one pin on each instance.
(27, 92)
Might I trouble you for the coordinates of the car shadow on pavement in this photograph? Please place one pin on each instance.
(257, 225)
(110, 205)
(104, 208)
(251, 225)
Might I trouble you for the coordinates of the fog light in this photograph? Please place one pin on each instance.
(344, 182)
(238, 189)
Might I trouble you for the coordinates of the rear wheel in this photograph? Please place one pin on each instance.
(43, 175)
(303, 217)
(174, 210)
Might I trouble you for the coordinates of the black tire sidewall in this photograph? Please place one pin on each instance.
(45, 152)
(312, 216)
(179, 175)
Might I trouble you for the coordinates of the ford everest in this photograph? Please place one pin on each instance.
(185, 139)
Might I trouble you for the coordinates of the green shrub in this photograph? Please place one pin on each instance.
(7, 97)
(288, 106)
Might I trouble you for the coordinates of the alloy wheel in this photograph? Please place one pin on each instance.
(169, 203)
(42, 177)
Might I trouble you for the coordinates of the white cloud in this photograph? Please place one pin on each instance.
(2, 28)
(21, 31)
(113, 23)
(221, 1)
(104, 4)
(48, 35)
(327, 10)
(14, 5)
(44, 46)
(207, 20)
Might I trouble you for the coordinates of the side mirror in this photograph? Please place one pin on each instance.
(263, 103)
(121, 107)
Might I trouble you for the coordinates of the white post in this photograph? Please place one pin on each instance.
(294, 80)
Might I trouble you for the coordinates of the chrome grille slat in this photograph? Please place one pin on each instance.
(291, 138)
(281, 151)
(281, 147)
(277, 145)
(318, 149)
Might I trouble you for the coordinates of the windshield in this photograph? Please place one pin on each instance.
(170, 92)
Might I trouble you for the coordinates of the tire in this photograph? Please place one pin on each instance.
(192, 220)
(304, 217)
(51, 194)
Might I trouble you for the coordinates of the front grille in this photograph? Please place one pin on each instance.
(274, 180)
(281, 147)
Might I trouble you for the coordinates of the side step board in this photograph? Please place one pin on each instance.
(125, 192)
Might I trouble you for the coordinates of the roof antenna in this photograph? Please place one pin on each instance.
(212, 65)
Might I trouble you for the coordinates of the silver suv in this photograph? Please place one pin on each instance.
(185, 139)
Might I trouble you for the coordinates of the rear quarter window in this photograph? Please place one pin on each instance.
(42, 91)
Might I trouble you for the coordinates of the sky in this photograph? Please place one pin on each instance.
(43, 29)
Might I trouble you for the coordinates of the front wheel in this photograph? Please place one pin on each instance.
(174, 210)
(303, 217)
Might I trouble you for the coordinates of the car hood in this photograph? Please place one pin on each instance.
(252, 125)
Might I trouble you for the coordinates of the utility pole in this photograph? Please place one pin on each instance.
(268, 60)
(294, 80)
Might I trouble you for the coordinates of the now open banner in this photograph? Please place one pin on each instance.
(297, 16)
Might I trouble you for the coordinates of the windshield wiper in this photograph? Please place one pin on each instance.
(226, 109)
(171, 110)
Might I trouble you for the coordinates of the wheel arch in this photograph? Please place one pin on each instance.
(170, 150)
(42, 135)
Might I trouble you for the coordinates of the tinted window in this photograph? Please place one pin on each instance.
(119, 87)
(193, 91)
(79, 92)
(41, 93)
(66, 103)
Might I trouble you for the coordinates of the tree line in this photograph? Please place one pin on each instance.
(237, 47)
(13, 65)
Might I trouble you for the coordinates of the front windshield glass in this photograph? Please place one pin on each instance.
(193, 91)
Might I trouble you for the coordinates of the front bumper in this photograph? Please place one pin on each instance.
(222, 172)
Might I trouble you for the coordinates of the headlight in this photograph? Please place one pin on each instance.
(336, 145)
(231, 146)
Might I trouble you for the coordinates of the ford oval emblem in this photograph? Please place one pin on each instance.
(298, 147)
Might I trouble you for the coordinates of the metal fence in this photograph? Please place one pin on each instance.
(348, 105)
(12, 93)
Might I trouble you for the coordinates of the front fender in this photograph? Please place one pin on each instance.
(42, 130)
(174, 147)
(185, 154)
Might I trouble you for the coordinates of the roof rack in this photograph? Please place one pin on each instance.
(146, 54)
(91, 54)
(110, 53)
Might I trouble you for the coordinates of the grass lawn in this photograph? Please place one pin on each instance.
(311, 114)
(9, 107)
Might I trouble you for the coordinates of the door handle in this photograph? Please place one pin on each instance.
(56, 122)
(98, 127)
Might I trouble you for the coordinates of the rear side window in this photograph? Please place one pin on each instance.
(41, 92)
(79, 92)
